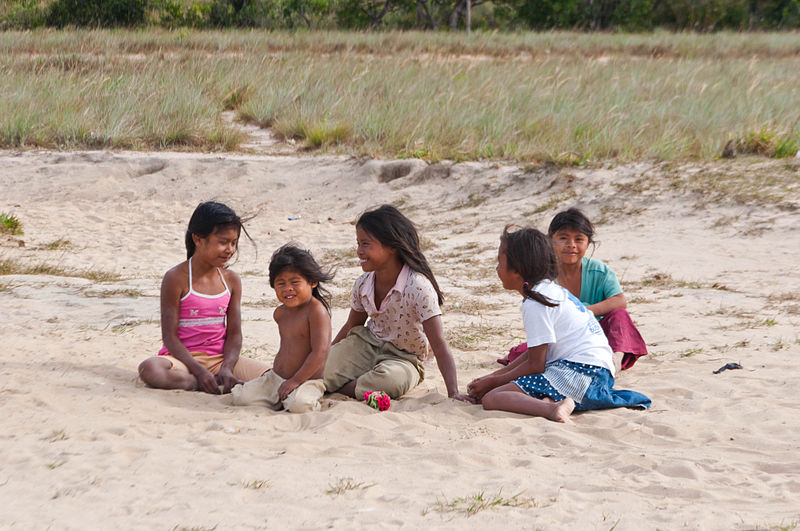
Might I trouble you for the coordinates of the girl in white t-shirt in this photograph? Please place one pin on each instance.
(568, 364)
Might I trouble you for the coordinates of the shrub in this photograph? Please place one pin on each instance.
(21, 15)
(100, 13)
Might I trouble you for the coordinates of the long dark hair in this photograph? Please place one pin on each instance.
(574, 219)
(209, 217)
(392, 229)
(294, 258)
(530, 253)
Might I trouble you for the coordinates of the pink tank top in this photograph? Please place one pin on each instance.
(201, 324)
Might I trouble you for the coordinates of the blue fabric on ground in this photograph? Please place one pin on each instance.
(600, 393)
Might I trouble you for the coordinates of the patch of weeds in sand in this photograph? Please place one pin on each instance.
(778, 344)
(471, 306)
(726, 348)
(339, 257)
(473, 200)
(56, 435)
(261, 303)
(343, 485)
(130, 293)
(13, 267)
(770, 322)
(475, 503)
(472, 336)
(640, 300)
(471, 365)
(665, 281)
(778, 527)
(691, 352)
(55, 464)
(192, 528)
(10, 224)
(57, 245)
(551, 204)
(256, 484)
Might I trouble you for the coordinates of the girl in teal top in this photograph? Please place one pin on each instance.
(595, 284)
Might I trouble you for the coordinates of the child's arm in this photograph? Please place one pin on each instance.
(171, 290)
(530, 362)
(611, 303)
(319, 325)
(233, 333)
(354, 319)
(444, 359)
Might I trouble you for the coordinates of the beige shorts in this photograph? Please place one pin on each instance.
(263, 391)
(374, 364)
(246, 369)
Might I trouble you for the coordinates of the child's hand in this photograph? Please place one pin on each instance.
(464, 398)
(479, 387)
(226, 379)
(286, 389)
(206, 381)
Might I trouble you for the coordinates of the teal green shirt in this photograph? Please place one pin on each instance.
(598, 282)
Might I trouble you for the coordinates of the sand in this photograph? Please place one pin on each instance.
(711, 279)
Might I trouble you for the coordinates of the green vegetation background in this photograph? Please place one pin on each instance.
(626, 15)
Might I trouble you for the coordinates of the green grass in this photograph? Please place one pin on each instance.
(343, 485)
(10, 224)
(559, 97)
(475, 503)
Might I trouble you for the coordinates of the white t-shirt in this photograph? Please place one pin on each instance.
(570, 330)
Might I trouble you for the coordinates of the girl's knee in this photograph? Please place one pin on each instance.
(489, 400)
(153, 370)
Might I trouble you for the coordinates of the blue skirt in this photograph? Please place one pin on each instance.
(591, 387)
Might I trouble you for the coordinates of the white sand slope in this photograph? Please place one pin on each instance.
(710, 271)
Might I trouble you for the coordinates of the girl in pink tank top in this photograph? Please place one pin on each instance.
(200, 311)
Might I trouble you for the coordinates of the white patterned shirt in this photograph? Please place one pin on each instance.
(411, 301)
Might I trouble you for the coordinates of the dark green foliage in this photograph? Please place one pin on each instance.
(97, 13)
(615, 15)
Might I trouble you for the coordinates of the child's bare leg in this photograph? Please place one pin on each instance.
(511, 398)
(157, 372)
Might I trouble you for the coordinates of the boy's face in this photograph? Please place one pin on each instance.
(293, 289)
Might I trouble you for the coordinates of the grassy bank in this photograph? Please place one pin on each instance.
(562, 97)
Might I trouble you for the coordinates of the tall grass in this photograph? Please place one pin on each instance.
(563, 97)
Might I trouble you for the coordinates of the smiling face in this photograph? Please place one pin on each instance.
(570, 245)
(293, 289)
(372, 254)
(218, 247)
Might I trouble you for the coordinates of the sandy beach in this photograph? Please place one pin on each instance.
(706, 252)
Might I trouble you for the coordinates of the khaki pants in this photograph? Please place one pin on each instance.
(263, 391)
(375, 365)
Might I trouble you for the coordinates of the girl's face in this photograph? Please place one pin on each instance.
(218, 247)
(372, 254)
(570, 245)
(511, 279)
(293, 289)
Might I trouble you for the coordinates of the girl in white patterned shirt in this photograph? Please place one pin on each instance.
(400, 296)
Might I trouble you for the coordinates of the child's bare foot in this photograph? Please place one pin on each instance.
(561, 411)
